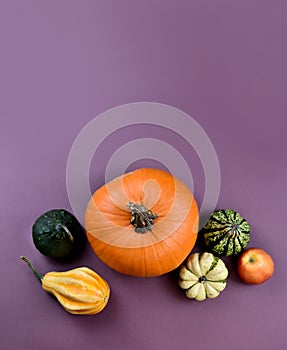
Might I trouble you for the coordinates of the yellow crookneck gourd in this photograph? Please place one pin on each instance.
(80, 291)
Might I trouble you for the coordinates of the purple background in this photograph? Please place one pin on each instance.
(64, 62)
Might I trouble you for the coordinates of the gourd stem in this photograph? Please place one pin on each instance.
(65, 228)
(202, 279)
(36, 273)
(142, 218)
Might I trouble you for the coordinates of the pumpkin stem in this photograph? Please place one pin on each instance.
(142, 218)
(39, 276)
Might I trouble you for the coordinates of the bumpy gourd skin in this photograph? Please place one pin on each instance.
(80, 291)
(203, 276)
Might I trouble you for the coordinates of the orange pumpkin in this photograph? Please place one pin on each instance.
(143, 223)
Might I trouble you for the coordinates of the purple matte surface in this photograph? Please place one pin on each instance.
(64, 62)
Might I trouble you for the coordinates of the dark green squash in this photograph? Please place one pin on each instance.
(226, 232)
(58, 234)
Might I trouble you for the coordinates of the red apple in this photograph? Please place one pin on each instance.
(255, 266)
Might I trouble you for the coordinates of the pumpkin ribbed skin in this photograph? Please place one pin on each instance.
(156, 251)
(79, 291)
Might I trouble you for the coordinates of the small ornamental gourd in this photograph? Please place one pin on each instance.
(80, 291)
(226, 233)
(143, 223)
(203, 276)
(58, 234)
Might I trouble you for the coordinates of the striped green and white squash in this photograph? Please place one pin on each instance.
(203, 276)
(226, 233)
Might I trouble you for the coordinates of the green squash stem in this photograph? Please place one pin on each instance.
(36, 273)
(68, 232)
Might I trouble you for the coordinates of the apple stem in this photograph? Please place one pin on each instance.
(251, 260)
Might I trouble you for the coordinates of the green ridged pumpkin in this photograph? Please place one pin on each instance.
(226, 233)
